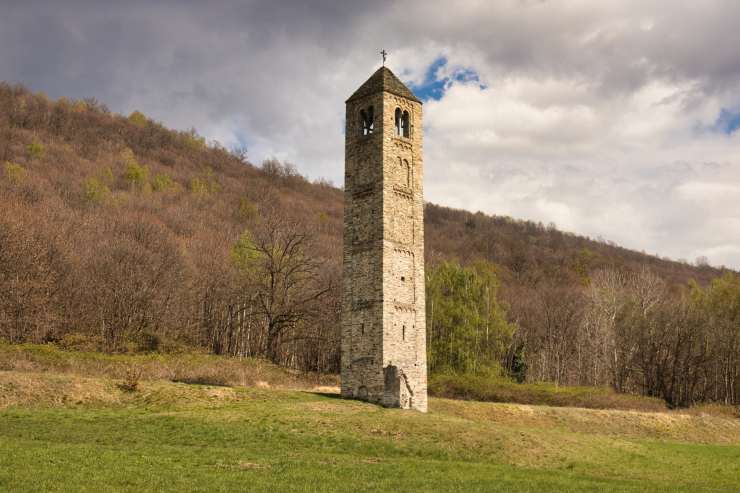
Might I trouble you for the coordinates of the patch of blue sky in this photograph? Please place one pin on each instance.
(727, 122)
(438, 79)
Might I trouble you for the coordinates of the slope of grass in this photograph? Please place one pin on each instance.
(64, 432)
(187, 367)
(201, 368)
(498, 389)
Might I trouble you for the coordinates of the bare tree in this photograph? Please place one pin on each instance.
(284, 276)
(31, 269)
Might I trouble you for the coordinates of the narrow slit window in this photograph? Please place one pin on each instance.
(403, 332)
(398, 122)
(367, 120)
(405, 124)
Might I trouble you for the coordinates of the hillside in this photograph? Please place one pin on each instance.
(90, 433)
(119, 234)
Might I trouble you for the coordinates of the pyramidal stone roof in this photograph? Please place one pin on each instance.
(383, 80)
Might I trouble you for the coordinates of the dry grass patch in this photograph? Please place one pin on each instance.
(491, 388)
(41, 389)
(191, 368)
(714, 410)
(672, 425)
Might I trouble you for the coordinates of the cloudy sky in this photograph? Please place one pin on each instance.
(614, 119)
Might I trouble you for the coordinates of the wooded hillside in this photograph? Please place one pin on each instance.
(119, 234)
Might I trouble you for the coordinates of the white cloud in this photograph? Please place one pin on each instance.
(630, 167)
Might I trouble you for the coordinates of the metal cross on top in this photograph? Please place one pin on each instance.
(384, 54)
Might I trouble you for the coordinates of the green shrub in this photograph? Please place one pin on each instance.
(194, 141)
(247, 209)
(203, 186)
(244, 252)
(199, 187)
(95, 191)
(35, 150)
(163, 183)
(138, 119)
(136, 176)
(14, 172)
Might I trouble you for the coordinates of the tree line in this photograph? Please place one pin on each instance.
(627, 330)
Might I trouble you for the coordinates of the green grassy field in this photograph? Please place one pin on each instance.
(66, 432)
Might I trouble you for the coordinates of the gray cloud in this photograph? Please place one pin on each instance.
(599, 116)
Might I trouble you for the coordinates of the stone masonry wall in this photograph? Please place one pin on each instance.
(383, 312)
(362, 290)
(404, 321)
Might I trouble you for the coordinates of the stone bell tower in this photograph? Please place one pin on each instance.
(383, 318)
